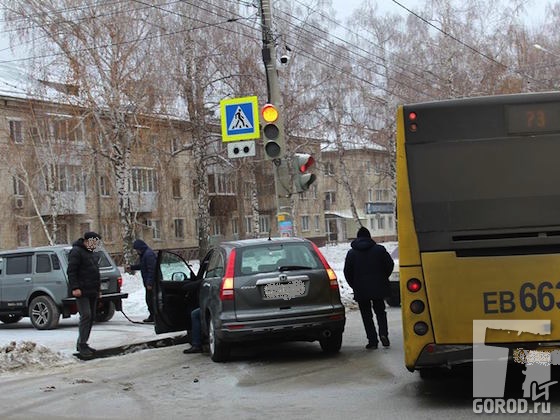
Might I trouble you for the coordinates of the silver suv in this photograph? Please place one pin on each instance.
(33, 283)
(279, 289)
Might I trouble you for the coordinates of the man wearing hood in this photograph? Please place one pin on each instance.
(147, 267)
(367, 268)
(85, 284)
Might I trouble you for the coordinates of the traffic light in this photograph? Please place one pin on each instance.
(272, 132)
(301, 163)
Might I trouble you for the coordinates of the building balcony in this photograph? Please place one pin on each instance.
(143, 202)
(65, 203)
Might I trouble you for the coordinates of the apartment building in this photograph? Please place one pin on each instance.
(58, 183)
(368, 171)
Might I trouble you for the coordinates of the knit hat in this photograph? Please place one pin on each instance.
(90, 235)
(363, 233)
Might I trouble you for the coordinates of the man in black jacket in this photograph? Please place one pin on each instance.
(147, 267)
(85, 284)
(367, 268)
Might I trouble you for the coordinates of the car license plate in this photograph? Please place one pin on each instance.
(105, 285)
(284, 291)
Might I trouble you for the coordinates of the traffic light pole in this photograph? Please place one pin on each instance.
(282, 180)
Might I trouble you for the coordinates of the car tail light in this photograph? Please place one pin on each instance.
(330, 272)
(119, 283)
(226, 289)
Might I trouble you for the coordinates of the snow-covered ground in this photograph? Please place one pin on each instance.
(23, 348)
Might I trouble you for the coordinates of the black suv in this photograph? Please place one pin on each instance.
(255, 289)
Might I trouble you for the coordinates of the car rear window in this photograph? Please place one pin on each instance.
(103, 260)
(267, 258)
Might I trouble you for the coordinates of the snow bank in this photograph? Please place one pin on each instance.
(27, 354)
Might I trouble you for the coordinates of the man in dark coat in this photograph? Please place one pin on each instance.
(367, 268)
(85, 284)
(147, 267)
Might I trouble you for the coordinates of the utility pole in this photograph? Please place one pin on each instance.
(282, 179)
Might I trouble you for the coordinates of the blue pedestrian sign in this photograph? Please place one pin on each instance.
(240, 119)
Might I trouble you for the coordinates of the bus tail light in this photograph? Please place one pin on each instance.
(413, 285)
(421, 328)
(226, 288)
(417, 307)
(412, 126)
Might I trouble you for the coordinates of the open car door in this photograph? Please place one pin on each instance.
(175, 293)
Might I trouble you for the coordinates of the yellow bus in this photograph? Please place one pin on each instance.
(478, 205)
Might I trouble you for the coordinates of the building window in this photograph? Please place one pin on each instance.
(23, 235)
(67, 129)
(215, 227)
(176, 187)
(61, 234)
(86, 227)
(317, 223)
(372, 223)
(381, 222)
(390, 222)
(382, 195)
(19, 186)
(16, 132)
(155, 226)
(175, 145)
(329, 169)
(107, 232)
(235, 226)
(179, 226)
(143, 180)
(66, 178)
(264, 223)
(330, 199)
(224, 184)
(304, 223)
(104, 186)
(368, 167)
(370, 195)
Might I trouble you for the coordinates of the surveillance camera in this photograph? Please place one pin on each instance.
(284, 59)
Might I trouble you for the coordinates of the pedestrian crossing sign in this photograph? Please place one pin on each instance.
(240, 119)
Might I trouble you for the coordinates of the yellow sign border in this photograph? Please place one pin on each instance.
(255, 134)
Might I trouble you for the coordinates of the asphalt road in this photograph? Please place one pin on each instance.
(287, 381)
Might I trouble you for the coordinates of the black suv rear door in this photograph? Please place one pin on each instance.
(175, 293)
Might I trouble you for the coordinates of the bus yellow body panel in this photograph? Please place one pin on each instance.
(532, 292)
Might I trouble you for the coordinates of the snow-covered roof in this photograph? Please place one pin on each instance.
(353, 145)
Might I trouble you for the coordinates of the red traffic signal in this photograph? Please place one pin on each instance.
(303, 180)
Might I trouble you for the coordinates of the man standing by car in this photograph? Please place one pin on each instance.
(147, 267)
(367, 268)
(85, 284)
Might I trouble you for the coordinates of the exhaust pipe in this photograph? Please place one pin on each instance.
(326, 333)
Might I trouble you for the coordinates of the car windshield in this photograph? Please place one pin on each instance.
(273, 257)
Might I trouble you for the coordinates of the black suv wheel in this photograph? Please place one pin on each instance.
(219, 351)
(105, 312)
(331, 344)
(44, 313)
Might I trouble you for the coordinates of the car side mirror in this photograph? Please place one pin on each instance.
(179, 277)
